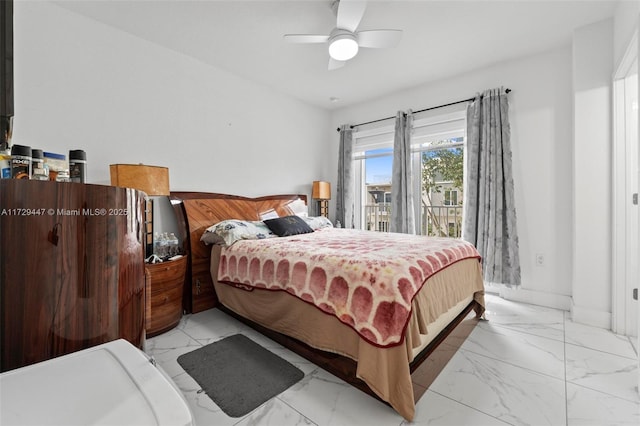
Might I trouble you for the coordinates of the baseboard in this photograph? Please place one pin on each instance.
(579, 314)
(549, 300)
(592, 317)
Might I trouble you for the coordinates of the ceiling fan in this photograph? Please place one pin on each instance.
(344, 41)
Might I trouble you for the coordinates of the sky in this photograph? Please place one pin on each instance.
(378, 169)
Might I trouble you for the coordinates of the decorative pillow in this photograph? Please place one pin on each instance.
(229, 231)
(298, 208)
(318, 222)
(288, 225)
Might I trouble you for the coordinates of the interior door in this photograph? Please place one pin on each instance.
(631, 206)
(626, 180)
(626, 223)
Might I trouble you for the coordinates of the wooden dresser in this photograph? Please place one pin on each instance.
(165, 285)
(71, 268)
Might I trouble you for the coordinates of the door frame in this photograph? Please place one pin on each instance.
(621, 201)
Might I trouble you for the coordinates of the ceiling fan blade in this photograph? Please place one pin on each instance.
(350, 14)
(335, 64)
(379, 38)
(306, 38)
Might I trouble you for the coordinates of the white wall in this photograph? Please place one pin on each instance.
(82, 85)
(592, 79)
(541, 135)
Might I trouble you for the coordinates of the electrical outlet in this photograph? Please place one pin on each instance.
(539, 259)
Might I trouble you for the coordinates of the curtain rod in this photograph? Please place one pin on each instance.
(416, 112)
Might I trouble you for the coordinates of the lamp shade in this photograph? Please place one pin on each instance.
(154, 180)
(321, 190)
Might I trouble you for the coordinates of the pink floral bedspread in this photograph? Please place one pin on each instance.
(366, 279)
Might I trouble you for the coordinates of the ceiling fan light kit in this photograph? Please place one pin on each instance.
(343, 45)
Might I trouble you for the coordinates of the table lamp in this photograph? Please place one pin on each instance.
(322, 194)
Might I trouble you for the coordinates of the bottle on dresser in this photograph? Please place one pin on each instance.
(173, 245)
(21, 162)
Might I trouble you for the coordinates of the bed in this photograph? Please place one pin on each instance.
(382, 361)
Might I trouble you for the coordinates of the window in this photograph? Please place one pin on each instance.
(438, 177)
(450, 197)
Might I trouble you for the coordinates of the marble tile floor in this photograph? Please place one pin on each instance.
(526, 365)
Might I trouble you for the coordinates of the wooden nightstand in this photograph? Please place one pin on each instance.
(165, 284)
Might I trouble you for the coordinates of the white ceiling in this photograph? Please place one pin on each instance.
(440, 39)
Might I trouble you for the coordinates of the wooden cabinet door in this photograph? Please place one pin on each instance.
(29, 264)
(71, 268)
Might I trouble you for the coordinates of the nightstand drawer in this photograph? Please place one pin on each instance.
(169, 271)
(165, 287)
(171, 296)
(166, 311)
(161, 285)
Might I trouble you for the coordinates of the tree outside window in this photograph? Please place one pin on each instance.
(442, 165)
(442, 185)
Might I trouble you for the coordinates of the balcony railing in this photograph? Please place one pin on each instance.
(377, 217)
(441, 221)
(438, 221)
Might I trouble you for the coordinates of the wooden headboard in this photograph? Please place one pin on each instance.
(196, 211)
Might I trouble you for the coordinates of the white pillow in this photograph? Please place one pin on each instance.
(229, 231)
(298, 208)
(318, 222)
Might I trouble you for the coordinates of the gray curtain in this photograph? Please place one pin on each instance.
(345, 199)
(490, 213)
(402, 213)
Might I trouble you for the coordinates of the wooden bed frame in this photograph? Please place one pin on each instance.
(196, 211)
